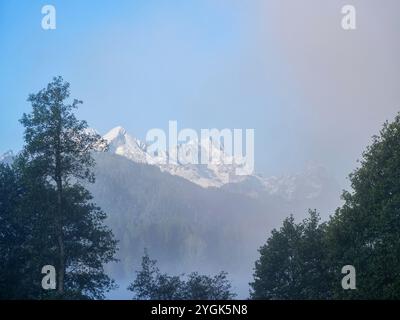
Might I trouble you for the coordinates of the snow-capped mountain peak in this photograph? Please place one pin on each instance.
(219, 171)
(115, 133)
(121, 143)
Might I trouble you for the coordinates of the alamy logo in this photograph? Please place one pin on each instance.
(349, 18)
(214, 146)
(349, 280)
(49, 280)
(49, 20)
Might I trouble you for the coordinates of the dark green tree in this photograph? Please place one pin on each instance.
(202, 287)
(292, 264)
(25, 233)
(304, 261)
(151, 284)
(365, 231)
(58, 154)
(12, 233)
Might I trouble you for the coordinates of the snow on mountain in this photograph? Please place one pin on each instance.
(312, 183)
(121, 143)
(214, 174)
(221, 171)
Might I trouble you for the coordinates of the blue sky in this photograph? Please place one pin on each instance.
(206, 64)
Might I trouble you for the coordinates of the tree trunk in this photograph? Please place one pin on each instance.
(59, 218)
(60, 240)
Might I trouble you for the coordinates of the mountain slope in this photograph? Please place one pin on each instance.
(173, 217)
(185, 226)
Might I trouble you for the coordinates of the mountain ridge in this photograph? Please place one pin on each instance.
(216, 174)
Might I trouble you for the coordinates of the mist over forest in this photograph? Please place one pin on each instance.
(302, 202)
